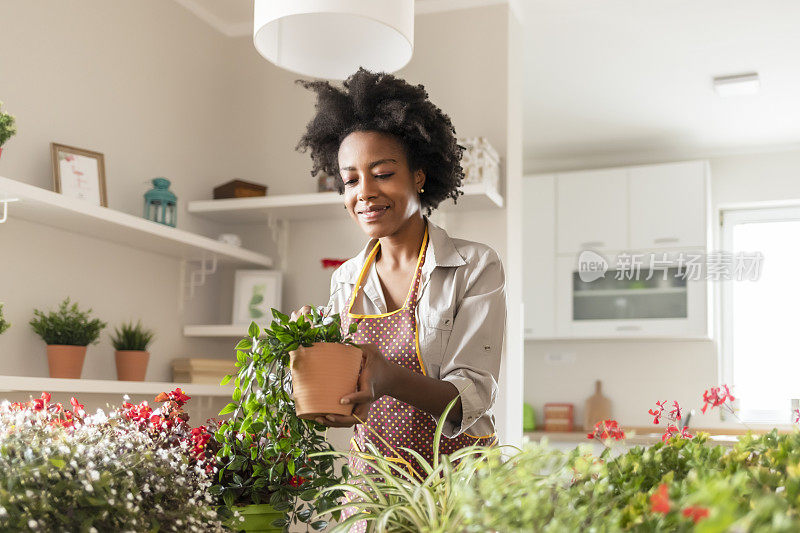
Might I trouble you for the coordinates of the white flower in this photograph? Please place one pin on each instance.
(32, 524)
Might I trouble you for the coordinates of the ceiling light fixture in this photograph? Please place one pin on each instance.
(332, 38)
(737, 84)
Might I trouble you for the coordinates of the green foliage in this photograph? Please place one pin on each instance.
(265, 450)
(7, 127)
(394, 496)
(755, 486)
(130, 337)
(4, 324)
(68, 326)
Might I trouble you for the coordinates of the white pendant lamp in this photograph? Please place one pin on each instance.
(332, 38)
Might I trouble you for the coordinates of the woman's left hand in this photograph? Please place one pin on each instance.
(374, 381)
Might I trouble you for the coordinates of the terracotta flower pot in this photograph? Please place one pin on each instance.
(321, 375)
(131, 364)
(65, 361)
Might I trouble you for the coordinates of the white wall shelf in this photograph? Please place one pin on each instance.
(53, 209)
(320, 205)
(107, 386)
(216, 330)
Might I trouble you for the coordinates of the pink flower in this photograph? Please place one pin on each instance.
(716, 396)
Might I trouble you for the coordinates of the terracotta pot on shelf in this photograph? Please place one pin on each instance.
(321, 375)
(65, 361)
(131, 364)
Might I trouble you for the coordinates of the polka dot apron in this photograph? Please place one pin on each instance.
(397, 423)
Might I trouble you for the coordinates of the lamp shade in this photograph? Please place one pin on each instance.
(333, 38)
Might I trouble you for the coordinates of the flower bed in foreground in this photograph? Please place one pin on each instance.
(138, 469)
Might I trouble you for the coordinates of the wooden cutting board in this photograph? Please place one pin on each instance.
(597, 408)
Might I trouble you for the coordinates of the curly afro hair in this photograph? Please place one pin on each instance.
(384, 103)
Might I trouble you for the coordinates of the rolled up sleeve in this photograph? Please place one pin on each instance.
(472, 355)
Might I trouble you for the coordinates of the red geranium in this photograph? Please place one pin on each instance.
(659, 500)
(717, 396)
(607, 429)
(696, 513)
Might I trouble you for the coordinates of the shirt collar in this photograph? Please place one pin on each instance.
(441, 252)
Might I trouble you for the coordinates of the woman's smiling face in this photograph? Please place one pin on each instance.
(380, 190)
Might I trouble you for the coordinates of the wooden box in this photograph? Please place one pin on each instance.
(204, 371)
(558, 417)
(239, 189)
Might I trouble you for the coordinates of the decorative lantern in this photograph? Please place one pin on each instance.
(160, 204)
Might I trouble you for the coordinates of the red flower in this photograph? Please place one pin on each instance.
(657, 414)
(296, 481)
(716, 396)
(76, 405)
(38, 404)
(659, 500)
(46, 397)
(676, 412)
(606, 429)
(796, 415)
(696, 513)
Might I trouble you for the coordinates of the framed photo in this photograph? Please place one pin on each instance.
(255, 293)
(79, 173)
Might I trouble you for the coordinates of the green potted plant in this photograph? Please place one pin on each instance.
(67, 332)
(267, 468)
(130, 344)
(7, 127)
(4, 325)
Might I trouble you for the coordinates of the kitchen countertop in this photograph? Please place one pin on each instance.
(646, 435)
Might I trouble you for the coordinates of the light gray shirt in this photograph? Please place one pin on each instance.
(461, 316)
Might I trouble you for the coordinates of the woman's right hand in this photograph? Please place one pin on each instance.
(305, 310)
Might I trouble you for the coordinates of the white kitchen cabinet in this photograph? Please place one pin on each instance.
(592, 210)
(647, 210)
(668, 205)
(538, 253)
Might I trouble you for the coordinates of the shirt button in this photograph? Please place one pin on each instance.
(486, 348)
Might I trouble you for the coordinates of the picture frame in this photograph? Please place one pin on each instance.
(79, 173)
(255, 293)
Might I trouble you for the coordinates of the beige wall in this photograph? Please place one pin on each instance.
(637, 373)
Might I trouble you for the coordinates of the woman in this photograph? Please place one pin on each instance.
(430, 309)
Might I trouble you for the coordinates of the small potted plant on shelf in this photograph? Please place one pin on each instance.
(7, 127)
(4, 325)
(67, 332)
(130, 344)
(267, 470)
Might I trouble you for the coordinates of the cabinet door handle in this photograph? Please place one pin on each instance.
(628, 328)
(666, 239)
(592, 243)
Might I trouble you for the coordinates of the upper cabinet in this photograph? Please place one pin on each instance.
(667, 205)
(592, 210)
(642, 207)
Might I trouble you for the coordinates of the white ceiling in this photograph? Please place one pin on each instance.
(622, 81)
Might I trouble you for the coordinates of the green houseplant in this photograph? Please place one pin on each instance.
(131, 356)
(67, 332)
(267, 467)
(4, 325)
(7, 127)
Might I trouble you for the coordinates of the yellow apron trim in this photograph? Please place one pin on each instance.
(484, 437)
(363, 273)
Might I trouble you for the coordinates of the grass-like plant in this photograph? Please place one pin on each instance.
(4, 324)
(395, 496)
(7, 127)
(68, 325)
(131, 337)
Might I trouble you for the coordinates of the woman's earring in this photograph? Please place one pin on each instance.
(421, 191)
